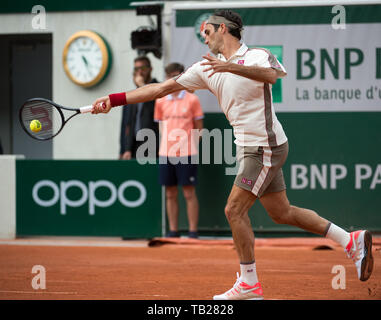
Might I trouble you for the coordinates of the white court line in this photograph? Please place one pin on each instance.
(38, 292)
(73, 243)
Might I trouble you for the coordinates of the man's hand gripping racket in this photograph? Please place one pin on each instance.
(101, 105)
(104, 104)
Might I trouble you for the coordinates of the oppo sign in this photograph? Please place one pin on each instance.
(88, 194)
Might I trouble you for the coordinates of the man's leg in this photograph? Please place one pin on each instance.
(167, 178)
(247, 286)
(192, 206)
(240, 200)
(236, 211)
(172, 207)
(186, 173)
(280, 211)
(358, 244)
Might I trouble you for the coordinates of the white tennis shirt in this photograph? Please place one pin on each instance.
(247, 103)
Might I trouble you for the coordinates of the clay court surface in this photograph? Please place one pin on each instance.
(76, 269)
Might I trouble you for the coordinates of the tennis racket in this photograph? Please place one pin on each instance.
(49, 114)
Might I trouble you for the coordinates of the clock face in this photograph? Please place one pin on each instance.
(86, 58)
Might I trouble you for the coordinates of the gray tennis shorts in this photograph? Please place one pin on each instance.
(260, 169)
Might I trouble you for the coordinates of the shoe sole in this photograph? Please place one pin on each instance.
(367, 262)
(259, 298)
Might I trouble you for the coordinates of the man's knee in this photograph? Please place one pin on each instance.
(171, 192)
(278, 207)
(281, 214)
(238, 204)
(232, 211)
(189, 192)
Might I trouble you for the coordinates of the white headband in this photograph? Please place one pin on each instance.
(219, 20)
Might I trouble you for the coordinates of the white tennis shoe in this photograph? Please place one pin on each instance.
(242, 291)
(359, 249)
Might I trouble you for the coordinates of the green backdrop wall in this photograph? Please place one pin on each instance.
(87, 198)
(316, 140)
(83, 188)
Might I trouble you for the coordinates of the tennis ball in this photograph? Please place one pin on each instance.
(35, 125)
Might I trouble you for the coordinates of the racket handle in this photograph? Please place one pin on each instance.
(86, 109)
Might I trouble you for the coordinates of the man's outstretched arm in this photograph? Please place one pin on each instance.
(148, 92)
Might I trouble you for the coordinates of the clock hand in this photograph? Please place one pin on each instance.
(88, 65)
(85, 61)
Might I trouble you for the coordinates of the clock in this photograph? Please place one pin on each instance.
(86, 58)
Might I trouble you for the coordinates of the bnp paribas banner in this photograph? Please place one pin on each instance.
(332, 53)
(329, 104)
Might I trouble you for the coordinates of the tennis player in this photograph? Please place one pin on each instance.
(241, 79)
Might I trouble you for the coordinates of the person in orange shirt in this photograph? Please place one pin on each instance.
(180, 117)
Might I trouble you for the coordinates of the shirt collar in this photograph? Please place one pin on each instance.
(239, 53)
(180, 96)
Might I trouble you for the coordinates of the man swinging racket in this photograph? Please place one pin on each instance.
(241, 79)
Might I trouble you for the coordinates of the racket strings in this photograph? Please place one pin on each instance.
(48, 115)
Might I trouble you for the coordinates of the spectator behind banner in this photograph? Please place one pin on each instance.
(179, 113)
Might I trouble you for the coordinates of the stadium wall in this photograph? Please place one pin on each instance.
(329, 105)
